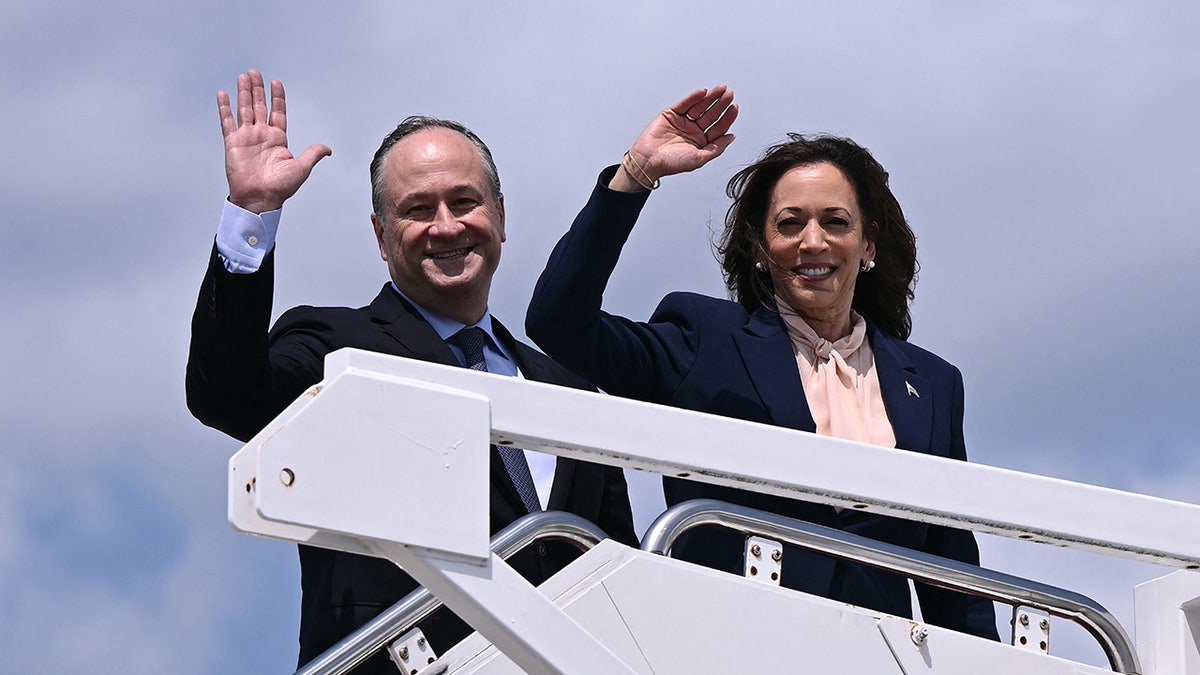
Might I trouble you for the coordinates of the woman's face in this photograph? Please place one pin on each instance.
(815, 244)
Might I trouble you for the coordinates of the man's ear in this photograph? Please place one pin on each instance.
(378, 225)
(500, 213)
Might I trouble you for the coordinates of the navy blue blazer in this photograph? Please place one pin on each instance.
(713, 356)
(239, 377)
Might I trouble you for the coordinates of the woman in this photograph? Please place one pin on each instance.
(820, 263)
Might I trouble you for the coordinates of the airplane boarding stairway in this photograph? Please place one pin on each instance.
(411, 437)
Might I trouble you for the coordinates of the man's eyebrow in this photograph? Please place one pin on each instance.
(430, 194)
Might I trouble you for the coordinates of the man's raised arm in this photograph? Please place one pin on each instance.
(230, 382)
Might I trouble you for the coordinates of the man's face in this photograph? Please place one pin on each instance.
(441, 229)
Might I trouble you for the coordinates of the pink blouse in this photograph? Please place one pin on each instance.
(840, 381)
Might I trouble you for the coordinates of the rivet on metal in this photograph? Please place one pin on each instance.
(287, 477)
(1024, 619)
(404, 653)
(1044, 625)
(776, 555)
(755, 550)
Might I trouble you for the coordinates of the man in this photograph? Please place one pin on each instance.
(439, 221)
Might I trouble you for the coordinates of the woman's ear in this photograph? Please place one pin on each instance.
(871, 233)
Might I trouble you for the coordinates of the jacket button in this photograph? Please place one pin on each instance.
(541, 549)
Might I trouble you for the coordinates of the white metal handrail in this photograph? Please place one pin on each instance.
(919, 566)
(789, 463)
(419, 604)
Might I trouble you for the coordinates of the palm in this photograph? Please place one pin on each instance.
(257, 159)
(261, 170)
(689, 134)
(671, 147)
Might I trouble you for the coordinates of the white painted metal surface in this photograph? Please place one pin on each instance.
(348, 450)
(1167, 612)
(792, 463)
(668, 617)
(328, 472)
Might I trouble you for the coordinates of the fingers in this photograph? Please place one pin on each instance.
(314, 154)
(258, 93)
(714, 149)
(720, 126)
(245, 104)
(692, 100)
(712, 109)
(704, 114)
(278, 106)
(252, 104)
(704, 106)
(225, 112)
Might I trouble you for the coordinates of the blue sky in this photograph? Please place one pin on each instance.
(1046, 154)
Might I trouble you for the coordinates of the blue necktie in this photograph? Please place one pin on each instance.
(471, 340)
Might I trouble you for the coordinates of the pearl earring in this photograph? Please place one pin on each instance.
(867, 265)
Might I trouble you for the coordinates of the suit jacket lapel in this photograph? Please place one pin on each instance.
(414, 337)
(770, 363)
(766, 352)
(907, 395)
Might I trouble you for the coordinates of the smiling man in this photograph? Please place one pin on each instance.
(439, 216)
(439, 221)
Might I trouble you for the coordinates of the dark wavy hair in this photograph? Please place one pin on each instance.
(883, 294)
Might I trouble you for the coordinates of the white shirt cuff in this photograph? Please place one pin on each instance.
(245, 238)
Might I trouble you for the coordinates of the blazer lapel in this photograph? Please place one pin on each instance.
(413, 336)
(770, 363)
(907, 396)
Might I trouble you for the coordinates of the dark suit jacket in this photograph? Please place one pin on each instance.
(713, 356)
(239, 378)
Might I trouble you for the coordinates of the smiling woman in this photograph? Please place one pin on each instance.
(829, 173)
(815, 246)
(820, 263)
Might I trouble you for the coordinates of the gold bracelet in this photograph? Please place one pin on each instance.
(627, 160)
